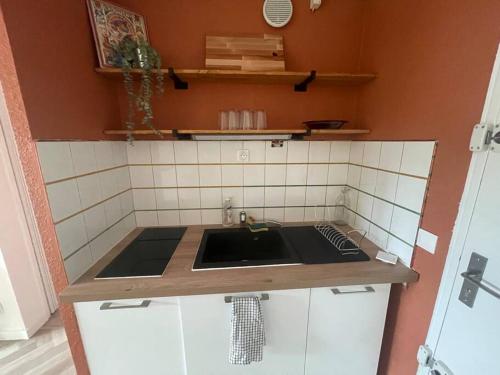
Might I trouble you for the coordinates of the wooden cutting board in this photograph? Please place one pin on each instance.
(262, 52)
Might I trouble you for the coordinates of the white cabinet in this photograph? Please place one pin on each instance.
(132, 336)
(206, 329)
(345, 331)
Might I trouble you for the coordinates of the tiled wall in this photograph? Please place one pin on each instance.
(88, 186)
(93, 188)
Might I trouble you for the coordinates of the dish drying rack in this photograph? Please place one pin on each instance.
(343, 242)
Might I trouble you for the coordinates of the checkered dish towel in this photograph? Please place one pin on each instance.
(247, 331)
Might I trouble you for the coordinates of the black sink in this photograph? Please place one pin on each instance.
(147, 255)
(221, 248)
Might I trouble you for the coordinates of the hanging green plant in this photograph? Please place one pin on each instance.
(131, 54)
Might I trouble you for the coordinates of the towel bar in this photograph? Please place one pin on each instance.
(263, 297)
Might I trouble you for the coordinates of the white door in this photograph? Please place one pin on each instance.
(346, 325)
(206, 331)
(131, 337)
(465, 336)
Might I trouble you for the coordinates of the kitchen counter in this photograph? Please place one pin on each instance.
(178, 278)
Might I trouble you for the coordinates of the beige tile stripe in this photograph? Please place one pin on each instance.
(84, 174)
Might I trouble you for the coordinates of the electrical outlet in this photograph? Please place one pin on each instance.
(243, 155)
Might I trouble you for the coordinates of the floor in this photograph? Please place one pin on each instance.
(46, 353)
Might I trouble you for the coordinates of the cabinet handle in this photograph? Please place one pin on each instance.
(263, 297)
(368, 289)
(109, 305)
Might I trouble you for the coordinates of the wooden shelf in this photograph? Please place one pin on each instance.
(286, 77)
(296, 132)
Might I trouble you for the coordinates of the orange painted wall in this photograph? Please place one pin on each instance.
(34, 180)
(434, 60)
(55, 58)
(327, 40)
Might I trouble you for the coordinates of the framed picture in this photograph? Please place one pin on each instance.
(110, 24)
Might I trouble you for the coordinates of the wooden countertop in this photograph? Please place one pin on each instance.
(179, 279)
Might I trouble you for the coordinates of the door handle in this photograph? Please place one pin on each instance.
(110, 306)
(477, 279)
(367, 289)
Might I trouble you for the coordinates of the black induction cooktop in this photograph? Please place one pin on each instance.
(147, 255)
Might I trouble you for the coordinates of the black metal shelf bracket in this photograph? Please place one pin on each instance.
(186, 137)
(179, 84)
(302, 86)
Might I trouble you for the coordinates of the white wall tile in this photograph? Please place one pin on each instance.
(162, 152)
(83, 156)
(253, 197)
(275, 174)
(209, 152)
(298, 152)
(317, 174)
(390, 156)
(163, 175)
(108, 184)
(274, 213)
(387, 184)
(276, 154)
(146, 218)
(64, 199)
(190, 217)
(209, 217)
(257, 150)
(253, 175)
(315, 195)
(296, 174)
(294, 214)
(186, 152)
(168, 218)
(144, 199)
(426, 240)
(371, 154)
(55, 160)
(378, 236)
(141, 176)
(71, 235)
(89, 188)
(295, 196)
(127, 202)
(232, 175)
(361, 223)
(332, 193)
(122, 178)
(95, 221)
(319, 152)
(76, 265)
(337, 174)
(236, 195)
(368, 180)
(187, 175)
(189, 198)
(352, 199)
(166, 199)
(354, 176)
(119, 150)
(101, 245)
(104, 155)
(411, 193)
(113, 210)
(210, 175)
(256, 213)
(229, 151)
(417, 158)
(139, 152)
(274, 196)
(339, 151)
(356, 152)
(314, 213)
(382, 213)
(405, 225)
(211, 197)
(402, 250)
(365, 205)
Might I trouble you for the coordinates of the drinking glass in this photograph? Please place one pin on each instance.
(233, 119)
(246, 119)
(223, 120)
(260, 120)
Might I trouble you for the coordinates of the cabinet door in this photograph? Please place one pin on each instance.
(345, 331)
(132, 336)
(206, 328)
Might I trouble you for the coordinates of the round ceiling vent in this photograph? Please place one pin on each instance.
(277, 12)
